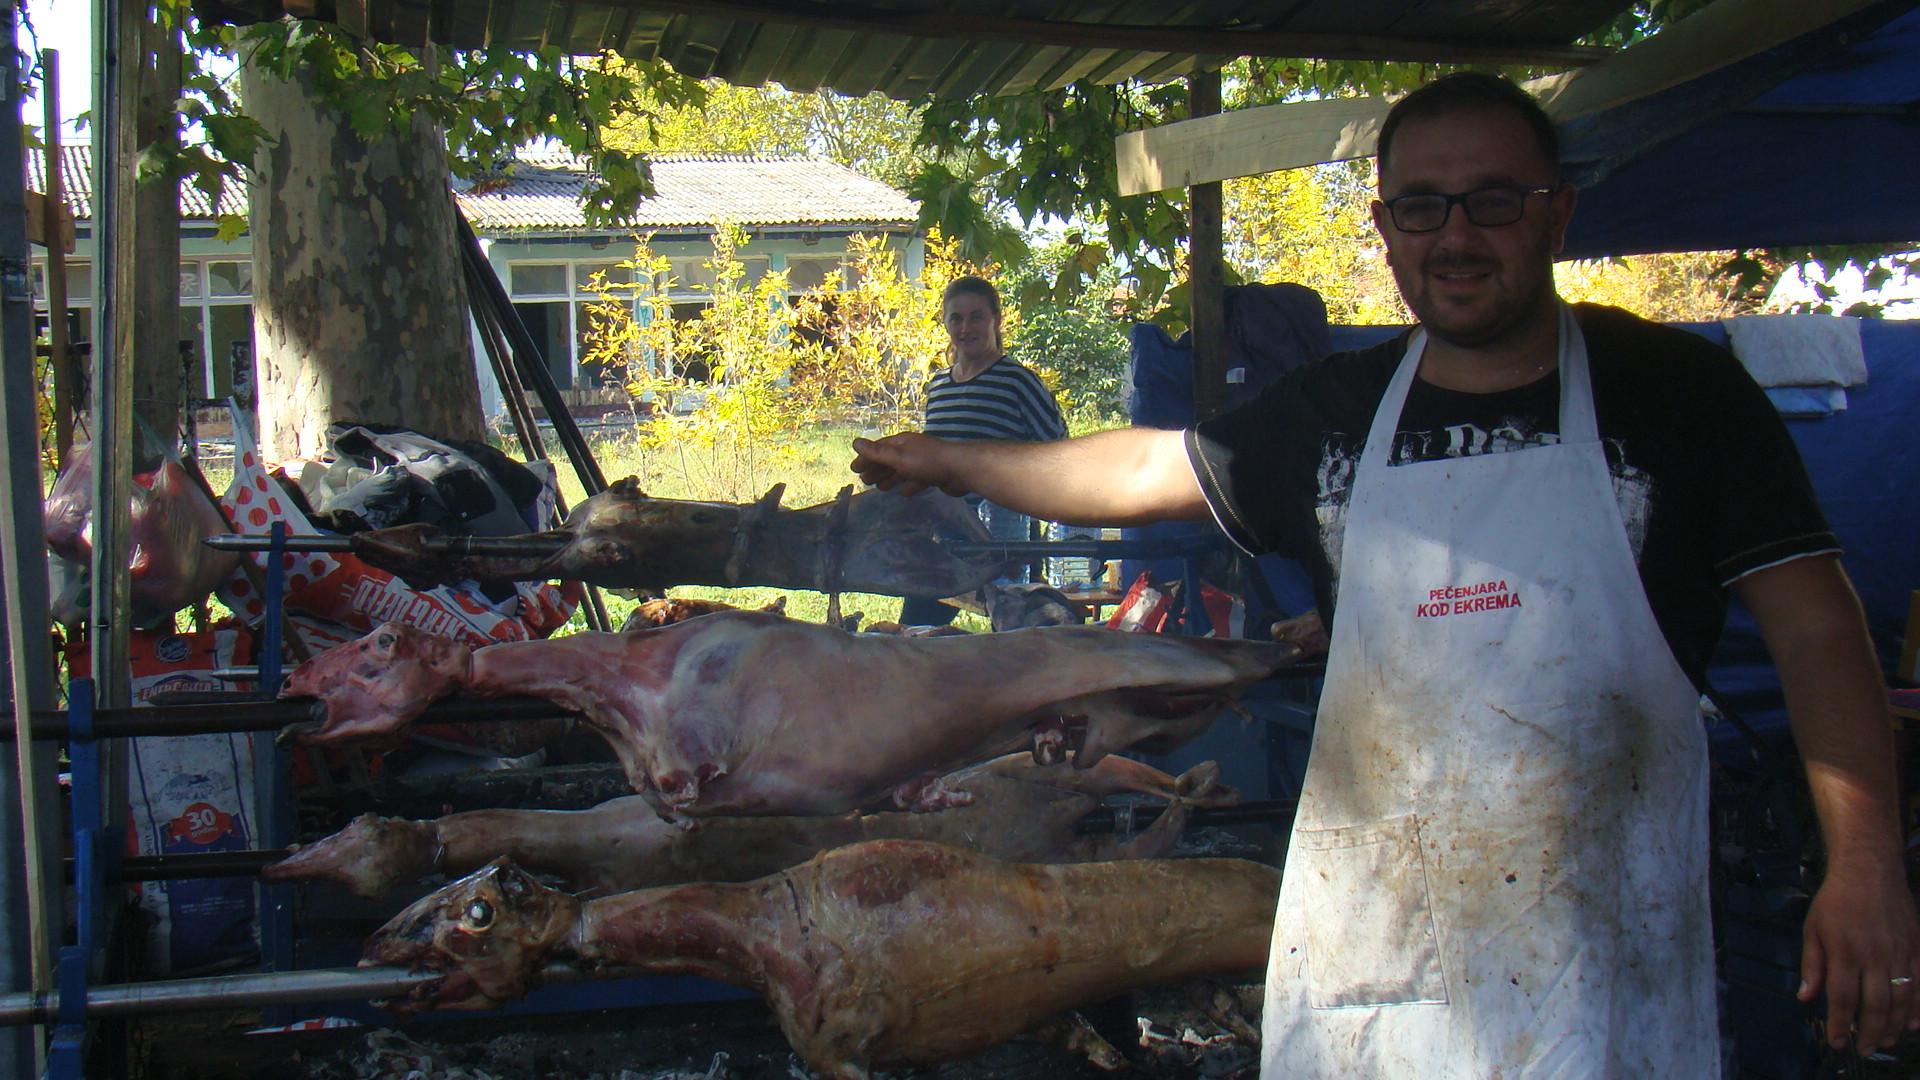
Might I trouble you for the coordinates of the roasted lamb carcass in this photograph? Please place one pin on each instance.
(1021, 812)
(750, 713)
(667, 610)
(873, 542)
(881, 954)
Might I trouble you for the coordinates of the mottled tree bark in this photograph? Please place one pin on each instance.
(360, 311)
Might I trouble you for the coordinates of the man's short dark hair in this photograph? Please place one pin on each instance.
(1470, 90)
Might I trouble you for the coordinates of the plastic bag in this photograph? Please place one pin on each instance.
(170, 514)
(323, 588)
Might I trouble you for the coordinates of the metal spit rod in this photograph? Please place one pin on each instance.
(203, 719)
(242, 992)
(506, 547)
(516, 547)
(201, 864)
(1108, 819)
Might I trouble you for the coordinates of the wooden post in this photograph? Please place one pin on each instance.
(151, 247)
(1205, 268)
(59, 349)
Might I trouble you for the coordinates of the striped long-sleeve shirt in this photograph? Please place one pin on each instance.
(1006, 401)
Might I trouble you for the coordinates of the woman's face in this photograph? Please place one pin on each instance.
(974, 329)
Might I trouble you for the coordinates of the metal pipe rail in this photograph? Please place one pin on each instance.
(271, 716)
(248, 991)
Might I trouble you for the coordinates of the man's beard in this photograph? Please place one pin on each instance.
(1509, 312)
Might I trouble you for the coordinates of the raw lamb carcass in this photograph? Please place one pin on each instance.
(888, 953)
(1021, 812)
(750, 713)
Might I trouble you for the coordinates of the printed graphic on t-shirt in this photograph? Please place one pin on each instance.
(1340, 454)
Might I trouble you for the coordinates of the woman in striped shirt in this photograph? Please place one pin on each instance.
(982, 395)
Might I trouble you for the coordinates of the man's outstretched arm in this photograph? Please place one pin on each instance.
(1127, 476)
(1861, 934)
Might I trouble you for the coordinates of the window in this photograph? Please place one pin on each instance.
(692, 277)
(806, 272)
(216, 316)
(538, 279)
(553, 296)
(229, 279)
(605, 273)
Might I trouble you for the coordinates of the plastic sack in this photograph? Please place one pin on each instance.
(325, 588)
(188, 794)
(1149, 609)
(170, 568)
(404, 477)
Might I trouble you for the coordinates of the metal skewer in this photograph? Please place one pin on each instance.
(507, 547)
(244, 991)
(271, 716)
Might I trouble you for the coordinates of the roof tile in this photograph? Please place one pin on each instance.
(542, 191)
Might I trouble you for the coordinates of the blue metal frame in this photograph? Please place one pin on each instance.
(94, 863)
(97, 850)
(271, 766)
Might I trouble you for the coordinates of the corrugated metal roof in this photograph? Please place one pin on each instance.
(543, 192)
(957, 48)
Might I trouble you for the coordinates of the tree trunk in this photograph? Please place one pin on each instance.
(360, 310)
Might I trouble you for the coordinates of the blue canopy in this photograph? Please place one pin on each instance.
(1814, 142)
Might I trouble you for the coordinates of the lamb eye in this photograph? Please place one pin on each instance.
(479, 915)
(385, 641)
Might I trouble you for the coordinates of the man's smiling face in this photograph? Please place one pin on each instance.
(1471, 285)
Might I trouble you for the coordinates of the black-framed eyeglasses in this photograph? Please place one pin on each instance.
(1486, 207)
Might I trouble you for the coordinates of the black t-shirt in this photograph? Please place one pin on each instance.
(1709, 484)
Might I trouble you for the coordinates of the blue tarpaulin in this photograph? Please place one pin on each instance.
(1814, 142)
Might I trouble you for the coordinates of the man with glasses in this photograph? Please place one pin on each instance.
(1524, 519)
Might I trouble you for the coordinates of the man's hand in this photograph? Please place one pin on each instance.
(1859, 939)
(909, 463)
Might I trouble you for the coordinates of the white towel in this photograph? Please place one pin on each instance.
(1799, 350)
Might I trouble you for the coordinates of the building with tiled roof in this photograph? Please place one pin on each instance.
(799, 215)
(541, 193)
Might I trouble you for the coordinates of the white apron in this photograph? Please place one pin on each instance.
(1498, 868)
